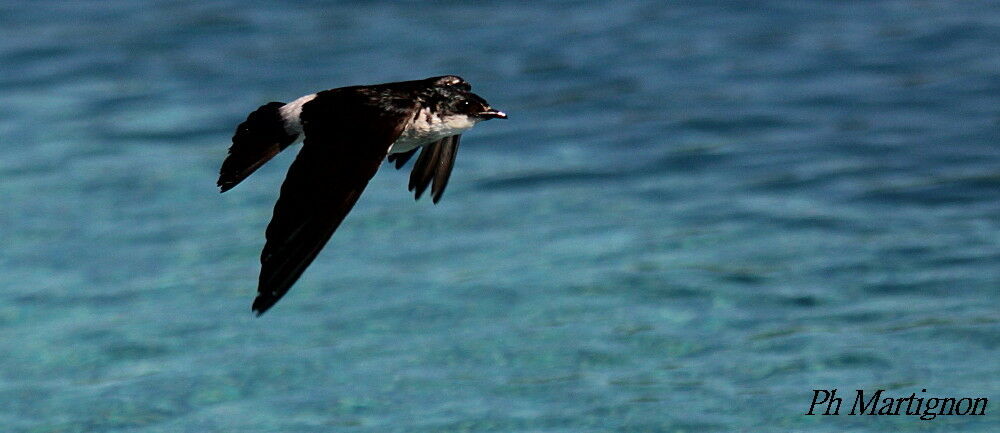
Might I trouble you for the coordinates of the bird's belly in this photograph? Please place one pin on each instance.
(426, 128)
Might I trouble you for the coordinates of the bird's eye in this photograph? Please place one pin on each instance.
(464, 105)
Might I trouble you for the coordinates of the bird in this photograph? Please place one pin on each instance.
(346, 132)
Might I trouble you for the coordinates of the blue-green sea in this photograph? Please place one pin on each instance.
(697, 213)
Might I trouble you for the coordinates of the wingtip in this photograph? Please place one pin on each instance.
(260, 306)
(417, 192)
(436, 195)
(258, 311)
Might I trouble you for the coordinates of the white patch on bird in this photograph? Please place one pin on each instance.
(427, 127)
(291, 112)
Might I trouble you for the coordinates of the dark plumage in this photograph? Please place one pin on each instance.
(348, 132)
(256, 141)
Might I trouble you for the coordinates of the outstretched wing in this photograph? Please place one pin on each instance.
(255, 142)
(433, 167)
(347, 135)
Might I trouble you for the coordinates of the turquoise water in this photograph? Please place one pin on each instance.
(698, 213)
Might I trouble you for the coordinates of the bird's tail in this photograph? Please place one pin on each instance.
(255, 142)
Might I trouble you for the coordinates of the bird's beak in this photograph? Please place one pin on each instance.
(493, 114)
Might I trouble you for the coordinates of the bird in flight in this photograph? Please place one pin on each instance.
(347, 132)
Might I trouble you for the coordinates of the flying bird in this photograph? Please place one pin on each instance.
(346, 134)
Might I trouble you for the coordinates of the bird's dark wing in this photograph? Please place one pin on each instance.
(255, 142)
(433, 167)
(347, 135)
(400, 158)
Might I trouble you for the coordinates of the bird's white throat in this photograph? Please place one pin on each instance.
(427, 127)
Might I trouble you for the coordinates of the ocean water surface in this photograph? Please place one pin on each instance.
(697, 213)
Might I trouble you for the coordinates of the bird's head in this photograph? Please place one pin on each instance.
(459, 99)
(472, 105)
